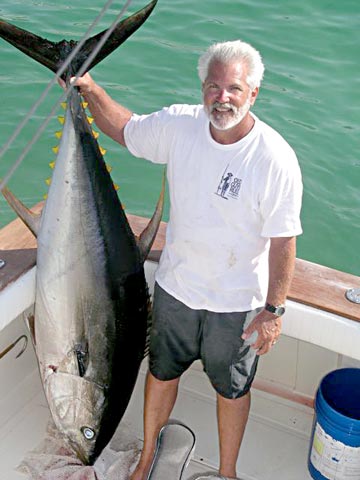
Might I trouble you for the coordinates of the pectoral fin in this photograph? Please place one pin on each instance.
(148, 235)
(31, 219)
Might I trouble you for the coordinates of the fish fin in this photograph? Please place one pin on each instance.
(124, 29)
(147, 236)
(45, 52)
(31, 219)
(53, 54)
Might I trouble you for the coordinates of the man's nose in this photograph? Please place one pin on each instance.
(223, 95)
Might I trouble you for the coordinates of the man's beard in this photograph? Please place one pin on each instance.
(229, 119)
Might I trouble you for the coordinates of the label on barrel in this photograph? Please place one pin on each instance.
(333, 459)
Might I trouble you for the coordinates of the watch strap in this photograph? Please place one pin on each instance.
(275, 309)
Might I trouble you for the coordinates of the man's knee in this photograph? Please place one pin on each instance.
(159, 384)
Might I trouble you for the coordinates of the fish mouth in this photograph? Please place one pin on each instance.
(87, 457)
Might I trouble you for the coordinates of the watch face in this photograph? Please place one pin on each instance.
(280, 310)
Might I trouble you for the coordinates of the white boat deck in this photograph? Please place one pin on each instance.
(275, 445)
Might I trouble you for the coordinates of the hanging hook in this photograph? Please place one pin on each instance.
(10, 347)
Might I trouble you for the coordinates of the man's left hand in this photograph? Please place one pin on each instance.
(268, 327)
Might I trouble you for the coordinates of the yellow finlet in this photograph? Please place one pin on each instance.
(116, 186)
(102, 150)
(48, 181)
(90, 120)
(55, 149)
(95, 134)
(52, 164)
(109, 168)
(58, 134)
(61, 119)
(45, 196)
(84, 104)
(63, 105)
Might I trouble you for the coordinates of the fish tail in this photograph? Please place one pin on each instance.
(53, 54)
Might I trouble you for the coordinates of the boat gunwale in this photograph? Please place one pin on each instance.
(314, 285)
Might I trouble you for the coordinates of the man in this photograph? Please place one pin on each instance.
(235, 198)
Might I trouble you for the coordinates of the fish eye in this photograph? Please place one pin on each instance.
(88, 433)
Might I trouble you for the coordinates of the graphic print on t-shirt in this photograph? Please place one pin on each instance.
(229, 186)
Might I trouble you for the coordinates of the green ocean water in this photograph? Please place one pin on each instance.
(310, 94)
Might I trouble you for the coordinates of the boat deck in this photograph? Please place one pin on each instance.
(275, 445)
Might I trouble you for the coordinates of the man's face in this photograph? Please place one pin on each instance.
(226, 95)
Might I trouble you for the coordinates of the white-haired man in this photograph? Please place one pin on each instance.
(235, 199)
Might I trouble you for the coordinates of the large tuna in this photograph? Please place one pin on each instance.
(92, 302)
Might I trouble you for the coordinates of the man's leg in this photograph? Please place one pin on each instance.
(160, 397)
(232, 416)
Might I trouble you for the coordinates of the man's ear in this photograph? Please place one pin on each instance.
(253, 95)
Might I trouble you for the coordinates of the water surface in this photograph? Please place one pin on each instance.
(310, 94)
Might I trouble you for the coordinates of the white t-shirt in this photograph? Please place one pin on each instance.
(226, 202)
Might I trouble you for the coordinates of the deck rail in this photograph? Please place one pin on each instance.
(315, 285)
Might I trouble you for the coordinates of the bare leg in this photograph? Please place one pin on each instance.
(232, 417)
(160, 397)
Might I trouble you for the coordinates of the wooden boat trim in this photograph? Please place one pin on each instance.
(313, 285)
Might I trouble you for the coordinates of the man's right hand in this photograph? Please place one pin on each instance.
(85, 83)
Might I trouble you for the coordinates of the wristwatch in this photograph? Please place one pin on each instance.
(277, 310)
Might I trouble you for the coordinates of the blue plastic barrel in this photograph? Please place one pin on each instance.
(334, 452)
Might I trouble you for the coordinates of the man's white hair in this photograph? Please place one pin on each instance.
(237, 50)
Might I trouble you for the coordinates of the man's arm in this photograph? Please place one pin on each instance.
(109, 116)
(281, 268)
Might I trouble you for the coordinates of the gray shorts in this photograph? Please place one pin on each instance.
(181, 335)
